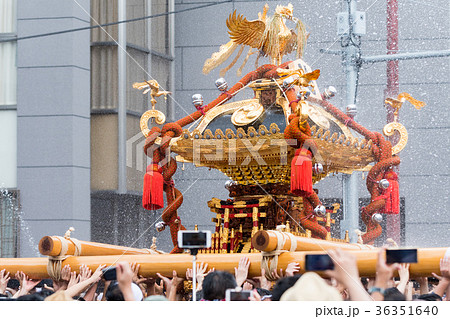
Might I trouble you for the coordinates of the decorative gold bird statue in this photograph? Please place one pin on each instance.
(269, 35)
(151, 86)
(396, 103)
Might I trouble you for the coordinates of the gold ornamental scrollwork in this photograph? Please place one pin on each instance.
(159, 117)
(390, 129)
(247, 114)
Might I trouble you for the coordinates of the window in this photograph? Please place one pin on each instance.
(8, 72)
(8, 113)
(9, 230)
(9, 224)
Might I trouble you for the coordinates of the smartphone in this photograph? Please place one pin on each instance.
(318, 262)
(406, 256)
(194, 239)
(238, 295)
(109, 273)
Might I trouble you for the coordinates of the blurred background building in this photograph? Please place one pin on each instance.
(70, 142)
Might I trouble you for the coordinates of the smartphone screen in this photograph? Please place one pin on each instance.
(407, 256)
(318, 262)
(194, 239)
(233, 295)
(109, 273)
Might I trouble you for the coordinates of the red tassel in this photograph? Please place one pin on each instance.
(392, 205)
(152, 196)
(301, 173)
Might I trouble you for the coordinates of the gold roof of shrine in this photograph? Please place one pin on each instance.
(263, 156)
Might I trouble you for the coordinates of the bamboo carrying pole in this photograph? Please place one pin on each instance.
(267, 240)
(428, 262)
(52, 246)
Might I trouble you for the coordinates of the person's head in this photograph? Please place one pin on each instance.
(31, 297)
(311, 287)
(268, 97)
(13, 284)
(216, 283)
(393, 294)
(429, 297)
(45, 293)
(282, 285)
(59, 296)
(156, 298)
(114, 293)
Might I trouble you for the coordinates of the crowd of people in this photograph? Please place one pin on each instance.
(341, 283)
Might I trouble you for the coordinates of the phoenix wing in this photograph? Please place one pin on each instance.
(246, 32)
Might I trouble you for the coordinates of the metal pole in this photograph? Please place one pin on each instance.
(392, 89)
(122, 95)
(350, 194)
(405, 56)
(194, 275)
(171, 105)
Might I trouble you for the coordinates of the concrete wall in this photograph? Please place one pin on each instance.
(425, 165)
(53, 120)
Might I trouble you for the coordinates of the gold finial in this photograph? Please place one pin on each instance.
(347, 239)
(389, 130)
(153, 246)
(153, 87)
(288, 228)
(359, 234)
(160, 118)
(67, 234)
(195, 227)
(268, 35)
(396, 103)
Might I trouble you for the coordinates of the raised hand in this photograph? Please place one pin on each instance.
(159, 289)
(384, 271)
(189, 274)
(201, 273)
(26, 284)
(346, 273)
(276, 276)
(444, 281)
(165, 282)
(345, 268)
(263, 282)
(403, 273)
(241, 272)
(4, 278)
(125, 278)
(85, 273)
(65, 273)
(247, 286)
(98, 273)
(175, 282)
(73, 280)
(135, 269)
(445, 268)
(291, 269)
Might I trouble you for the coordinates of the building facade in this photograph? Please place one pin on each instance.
(70, 143)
